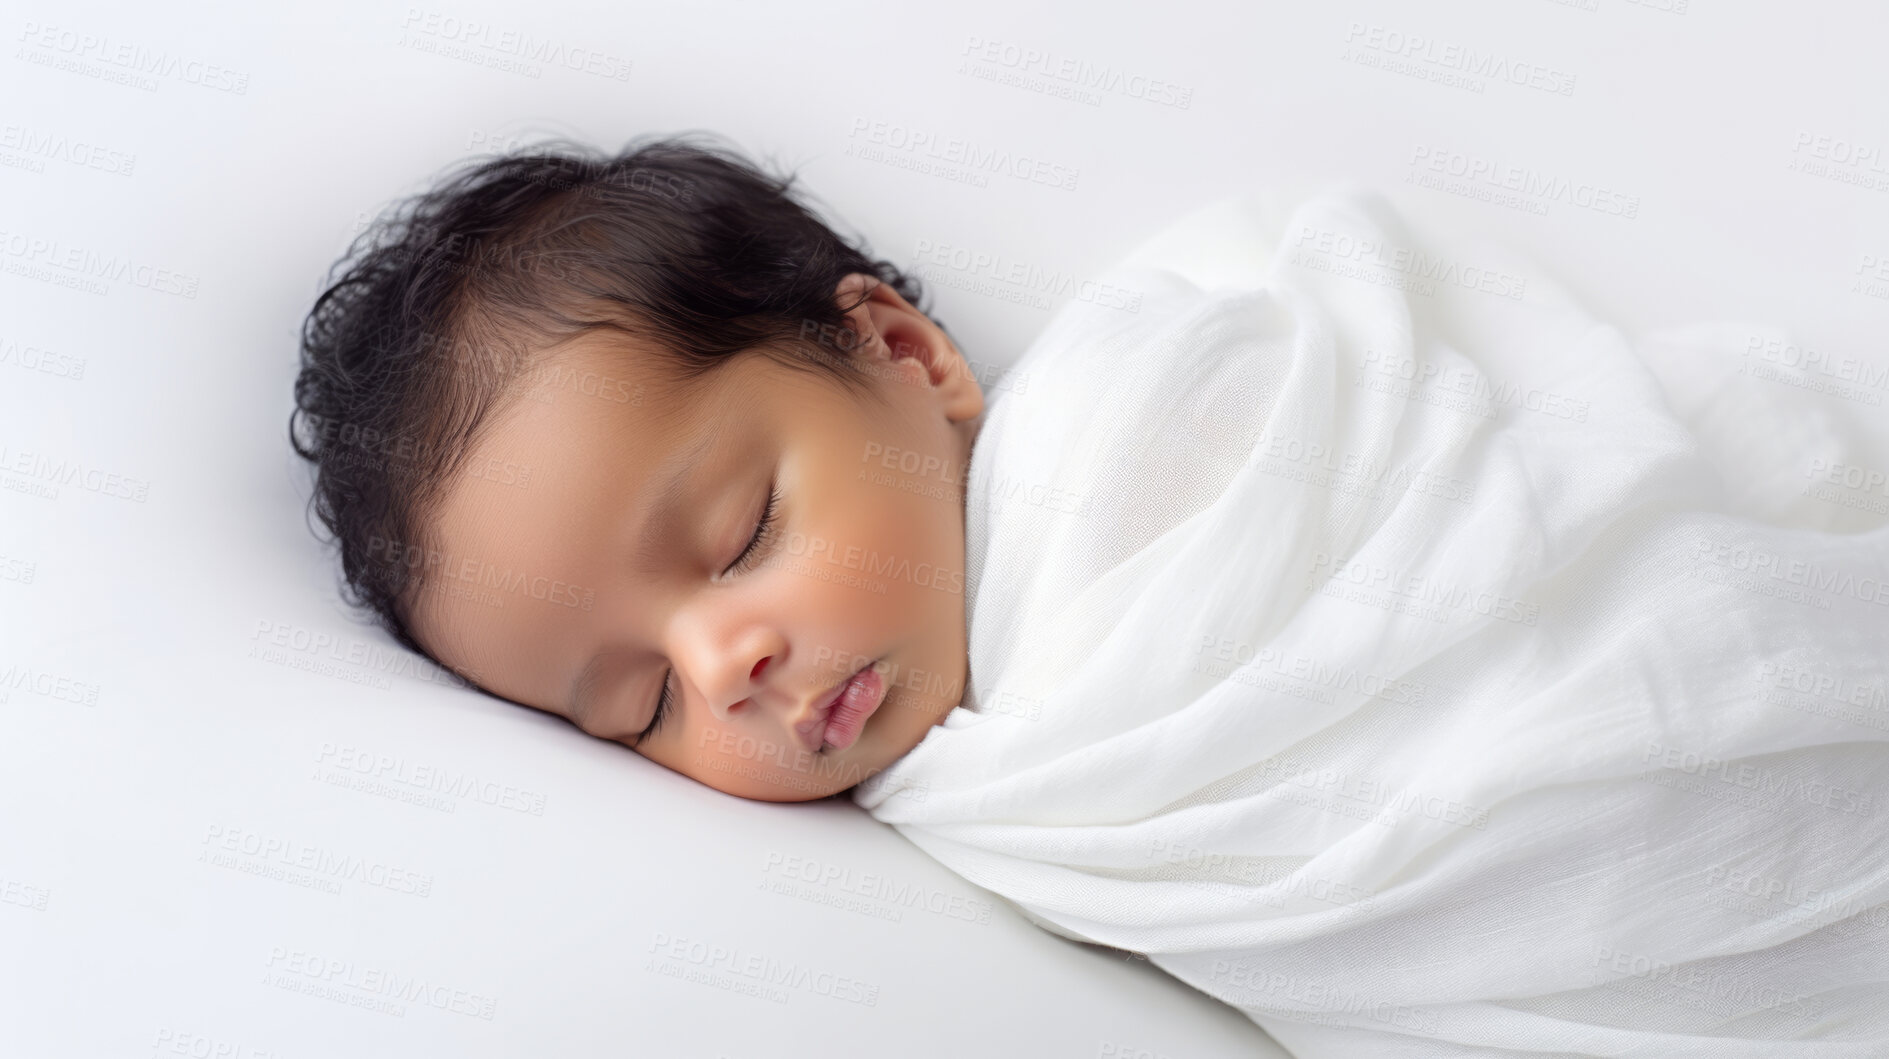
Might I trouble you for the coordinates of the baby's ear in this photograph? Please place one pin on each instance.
(890, 329)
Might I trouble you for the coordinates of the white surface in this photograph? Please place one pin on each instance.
(156, 604)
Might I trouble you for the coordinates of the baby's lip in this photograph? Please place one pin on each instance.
(812, 732)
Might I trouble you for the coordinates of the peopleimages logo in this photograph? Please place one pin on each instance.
(345, 758)
(71, 49)
(58, 258)
(1839, 375)
(1426, 269)
(433, 568)
(38, 145)
(1301, 999)
(1066, 76)
(42, 473)
(873, 139)
(296, 969)
(33, 358)
(1444, 55)
(1755, 563)
(47, 685)
(876, 887)
(760, 968)
(344, 656)
(1516, 186)
(869, 561)
(1769, 785)
(1693, 985)
(942, 262)
(303, 863)
(513, 44)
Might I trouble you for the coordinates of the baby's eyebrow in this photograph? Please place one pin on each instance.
(577, 704)
(667, 502)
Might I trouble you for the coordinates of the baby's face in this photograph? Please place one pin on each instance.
(569, 576)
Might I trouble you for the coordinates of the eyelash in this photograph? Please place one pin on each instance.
(761, 532)
(662, 708)
(755, 546)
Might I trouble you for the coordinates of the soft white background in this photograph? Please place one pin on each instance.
(118, 937)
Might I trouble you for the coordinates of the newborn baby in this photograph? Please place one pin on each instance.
(640, 442)
(1362, 631)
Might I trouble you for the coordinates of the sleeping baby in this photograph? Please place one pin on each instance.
(641, 442)
(1342, 617)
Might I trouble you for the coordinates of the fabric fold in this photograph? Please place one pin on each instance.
(1397, 653)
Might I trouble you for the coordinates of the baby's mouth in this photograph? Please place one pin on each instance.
(845, 714)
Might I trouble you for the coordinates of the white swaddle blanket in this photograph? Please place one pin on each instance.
(1398, 654)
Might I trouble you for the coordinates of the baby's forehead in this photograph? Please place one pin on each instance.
(583, 413)
(599, 366)
(545, 484)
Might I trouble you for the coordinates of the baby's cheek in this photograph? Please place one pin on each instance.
(755, 765)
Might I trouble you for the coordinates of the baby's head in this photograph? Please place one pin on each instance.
(596, 430)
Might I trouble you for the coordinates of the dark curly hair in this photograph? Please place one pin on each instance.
(446, 297)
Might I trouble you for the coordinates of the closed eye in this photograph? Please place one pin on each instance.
(662, 710)
(762, 535)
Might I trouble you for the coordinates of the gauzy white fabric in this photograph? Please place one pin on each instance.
(1398, 654)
